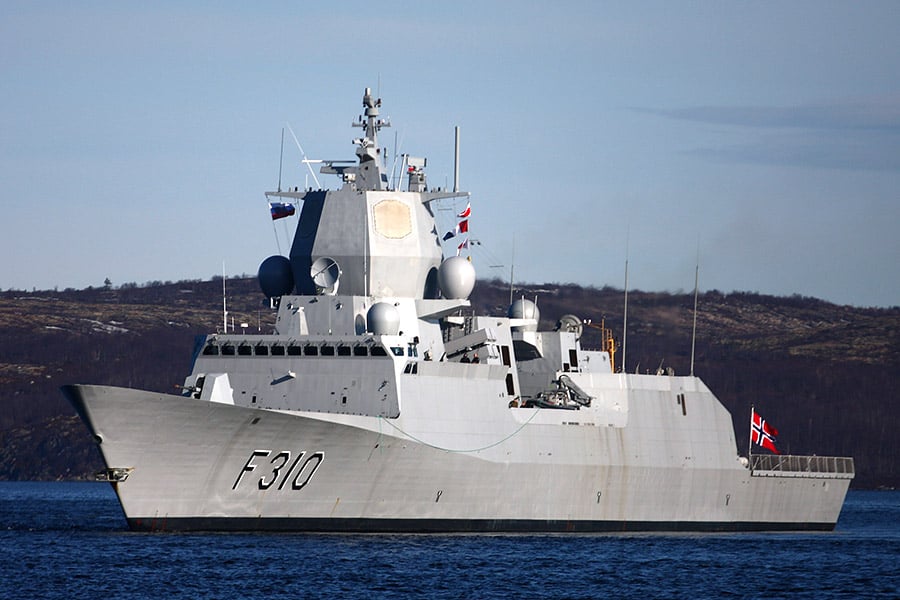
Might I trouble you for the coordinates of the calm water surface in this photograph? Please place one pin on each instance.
(69, 540)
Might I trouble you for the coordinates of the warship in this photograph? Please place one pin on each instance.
(382, 403)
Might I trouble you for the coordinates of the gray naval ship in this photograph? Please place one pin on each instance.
(366, 410)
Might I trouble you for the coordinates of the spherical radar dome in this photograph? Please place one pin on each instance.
(525, 309)
(456, 277)
(383, 319)
(276, 278)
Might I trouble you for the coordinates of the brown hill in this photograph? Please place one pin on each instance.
(826, 375)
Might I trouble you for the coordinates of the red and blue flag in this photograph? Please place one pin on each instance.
(281, 210)
(761, 433)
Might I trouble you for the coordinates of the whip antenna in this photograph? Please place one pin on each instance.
(696, 288)
(625, 316)
(303, 154)
(281, 159)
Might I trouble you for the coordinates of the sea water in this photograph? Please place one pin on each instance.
(70, 540)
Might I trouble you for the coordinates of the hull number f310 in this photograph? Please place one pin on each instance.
(281, 468)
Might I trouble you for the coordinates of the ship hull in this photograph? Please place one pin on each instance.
(204, 466)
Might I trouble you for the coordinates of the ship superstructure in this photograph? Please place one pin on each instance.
(381, 402)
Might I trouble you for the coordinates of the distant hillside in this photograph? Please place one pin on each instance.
(826, 375)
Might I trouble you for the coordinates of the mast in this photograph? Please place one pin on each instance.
(694, 332)
(281, 159)
(512, 266)
(456, 161)
(358, 239)
(224, 307)
(625, 317)
(750, 441)
(370, 172)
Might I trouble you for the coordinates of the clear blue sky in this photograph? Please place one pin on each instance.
(137, 139)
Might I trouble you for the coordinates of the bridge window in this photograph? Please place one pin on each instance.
(360, 351)
(524, 351)
(277, 350)
(327, 350)
(311, 350)
(294, 350)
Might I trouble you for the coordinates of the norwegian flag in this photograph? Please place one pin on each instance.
(761, 433)
(468, 211)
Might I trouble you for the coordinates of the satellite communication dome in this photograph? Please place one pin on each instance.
(383, 319)
(524, 309)
(456, 277)
(276, 278)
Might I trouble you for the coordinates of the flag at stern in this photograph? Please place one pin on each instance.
(762, 433)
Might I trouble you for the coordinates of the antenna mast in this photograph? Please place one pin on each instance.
(625, 316)
(224, 307)
(303, 154)
(456, 161)
(512, 266)
(281, 159)
(365, 254)
(696, 288)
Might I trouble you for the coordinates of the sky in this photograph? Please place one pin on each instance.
(758, 140)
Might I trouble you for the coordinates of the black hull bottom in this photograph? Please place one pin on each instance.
(453, 526)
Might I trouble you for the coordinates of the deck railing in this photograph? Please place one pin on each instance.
(826, 467)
